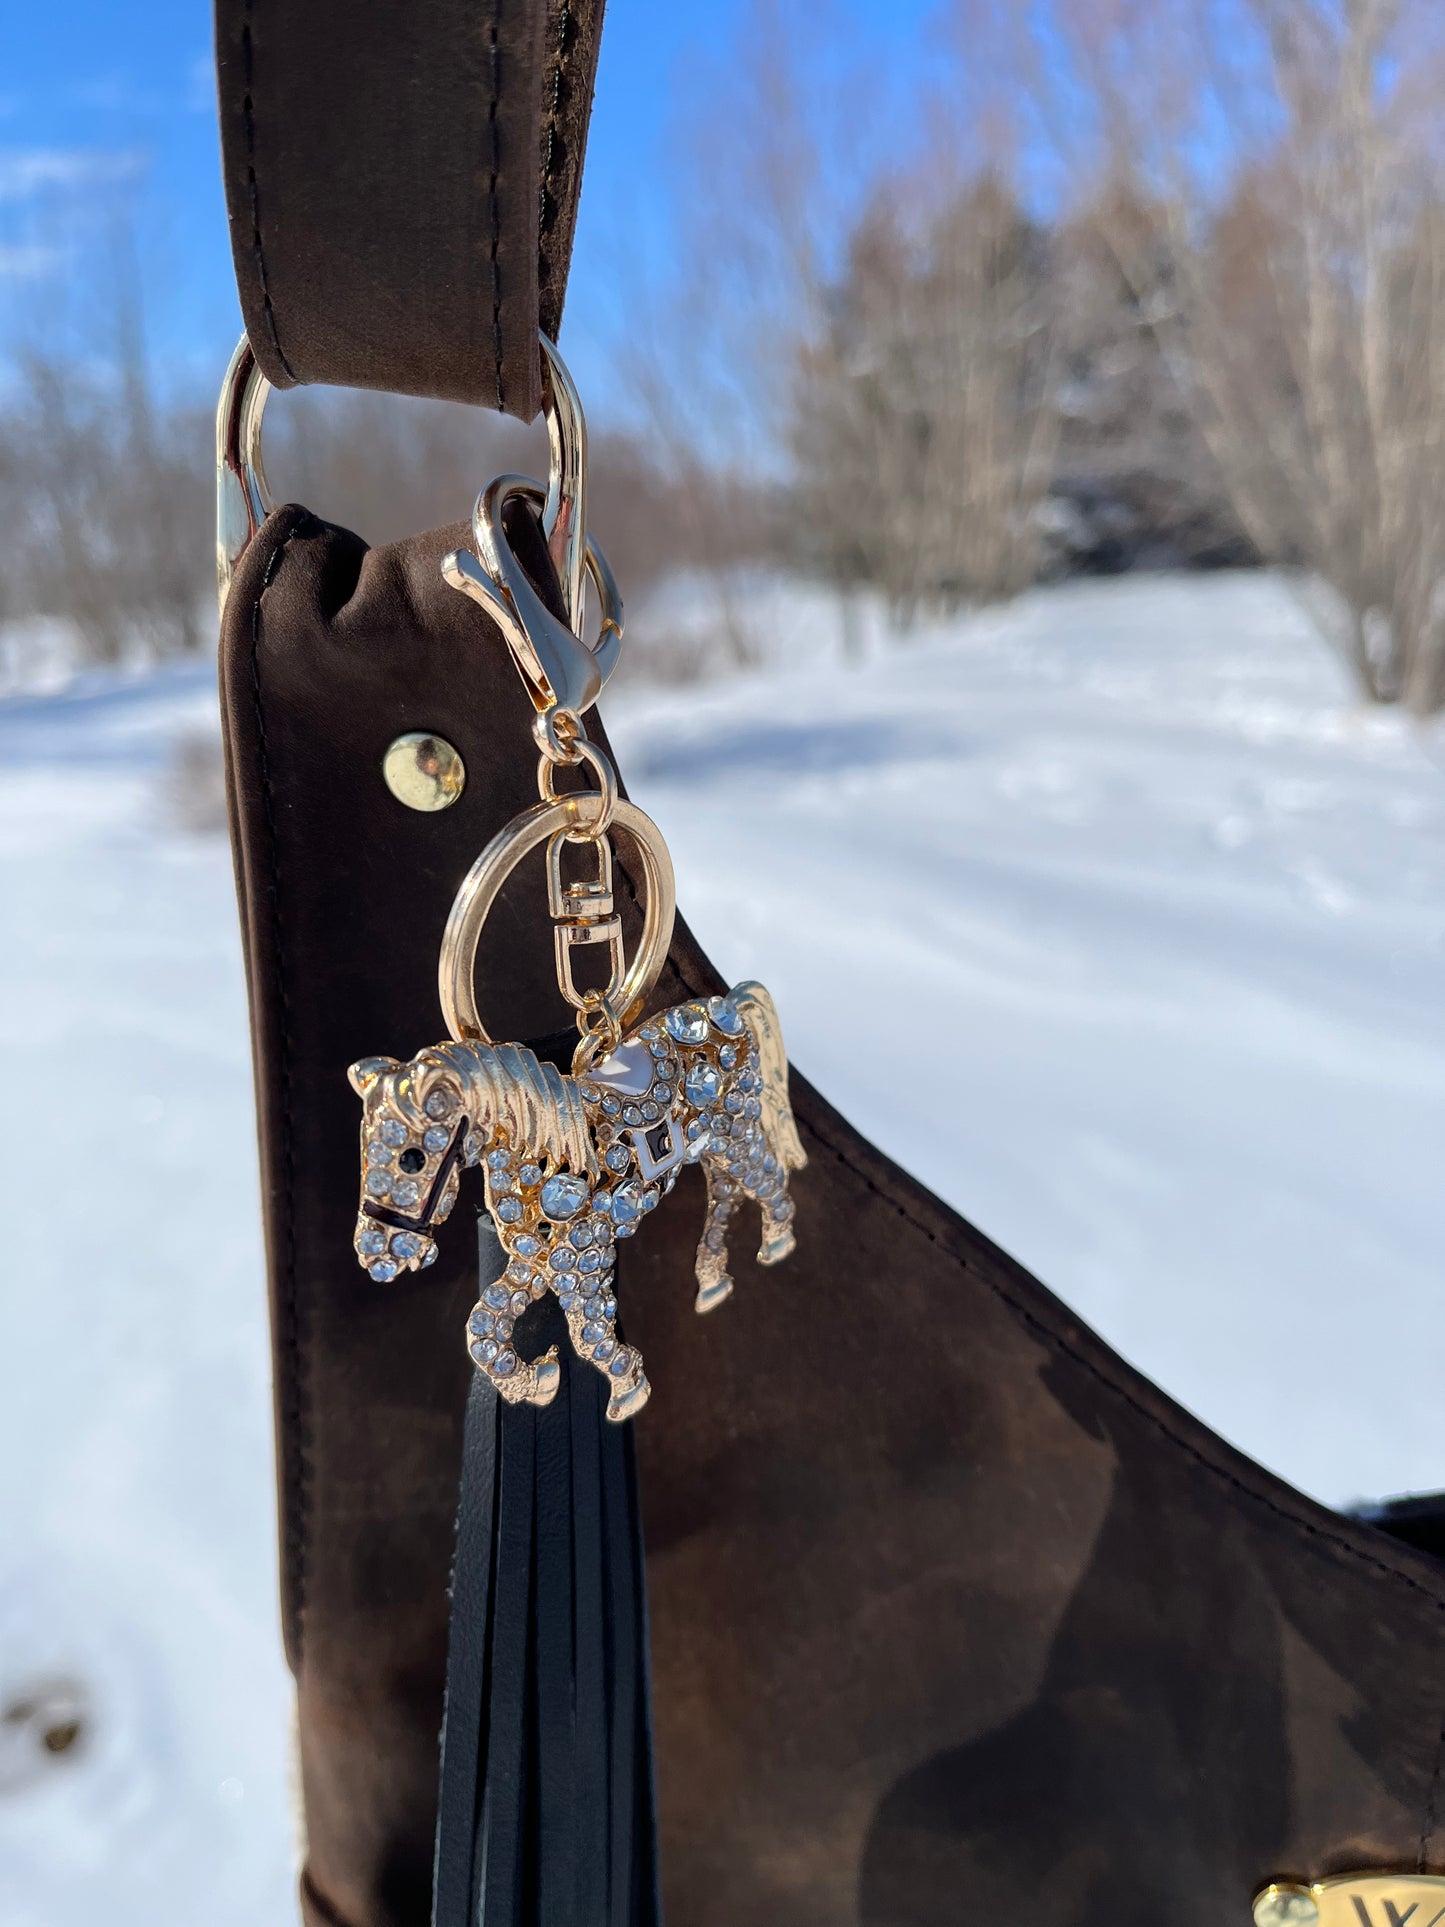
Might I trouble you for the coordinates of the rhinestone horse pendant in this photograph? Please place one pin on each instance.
(571, 1165)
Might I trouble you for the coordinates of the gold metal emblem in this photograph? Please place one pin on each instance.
(572, 1162)
(423, 771)
(1355, 1900)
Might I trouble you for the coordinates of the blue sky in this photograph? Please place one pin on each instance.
(104, 133)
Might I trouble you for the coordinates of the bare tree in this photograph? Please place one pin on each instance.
(924, 429)
(1292, 157)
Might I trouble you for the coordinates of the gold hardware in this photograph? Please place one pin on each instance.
(480, 887)
(1354, 1900)
(243, 500)
(1285, 1906)
(560, 671)
(424, 771)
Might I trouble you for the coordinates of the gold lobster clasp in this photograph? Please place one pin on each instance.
(561, 672)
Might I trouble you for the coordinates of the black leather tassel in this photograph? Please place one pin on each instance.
(545, 1813)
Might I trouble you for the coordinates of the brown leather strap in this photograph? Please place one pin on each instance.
(402, 183)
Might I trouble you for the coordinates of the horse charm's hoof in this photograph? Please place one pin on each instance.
(572, 1165)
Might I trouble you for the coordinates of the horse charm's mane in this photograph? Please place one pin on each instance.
(572, 1165)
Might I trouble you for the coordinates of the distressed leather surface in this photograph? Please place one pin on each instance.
(402, 186)
(955, 1617)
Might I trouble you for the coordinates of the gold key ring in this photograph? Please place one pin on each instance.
(574, 817)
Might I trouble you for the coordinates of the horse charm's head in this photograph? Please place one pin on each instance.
(572, 1166)
(413, 1143)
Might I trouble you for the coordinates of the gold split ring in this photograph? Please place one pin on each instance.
(576, 817)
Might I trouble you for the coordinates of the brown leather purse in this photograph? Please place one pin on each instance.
(954, 1616)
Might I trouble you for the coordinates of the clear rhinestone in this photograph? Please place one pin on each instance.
(525, 1245)
(371, 1242)
(626, 1230)
(605, 1350)
(499, 1159)
(429, 1256)
(377, 1152)
(699, 1126)
(626, 1204)
(609, 1309)
(504, 1328)
(405, 1193)
(622, 1363)
(406, 1244)
(563, 1196)
(378, 1183)
(563, 1259)
(509, 1210)
(782, 1210)
(436, 1138)
(631, 1114)
(506, 1364)
(650, 1112)
(733, 1104)
(610, 1106)
(593, 1333)
(714, 1239)
(702, 1086)
(391, 1132)
(472, 1149)
(650, 1197)
(618, 1158)
(519, 1273)
(440, 1105)
(530, 1174)
(592, 1308)
(696, 1149)
(726, 1016)
(658, 1047)
(753, 1108)
(687, 1023)
(483, 1350)
(590, 1260)
(647, 1033)
(384, 1270)
(568, 1300)
(661, 1093)
(588, 1090)
(728, 1056)
(602, 1204)
(520, 1302)
(580, 1235)
(481, 1323)
(497, 1296)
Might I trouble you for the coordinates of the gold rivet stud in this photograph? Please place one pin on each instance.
(1286, 1906)
(424, 771)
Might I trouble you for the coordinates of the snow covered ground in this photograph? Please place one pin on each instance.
(1107, 913)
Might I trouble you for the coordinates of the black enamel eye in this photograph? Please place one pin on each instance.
(412, 1159)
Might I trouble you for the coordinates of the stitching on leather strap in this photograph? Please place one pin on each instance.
(495, 132)
(547, 194)
(253, 192)
(294, 1388)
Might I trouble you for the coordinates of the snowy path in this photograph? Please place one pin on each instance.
(1105, 913)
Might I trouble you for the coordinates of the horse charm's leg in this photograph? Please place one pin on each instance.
(713, 1282)
(557, 1231)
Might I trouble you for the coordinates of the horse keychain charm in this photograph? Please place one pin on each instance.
(571, 1163)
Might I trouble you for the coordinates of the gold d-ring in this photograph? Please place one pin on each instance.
(482, 884)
